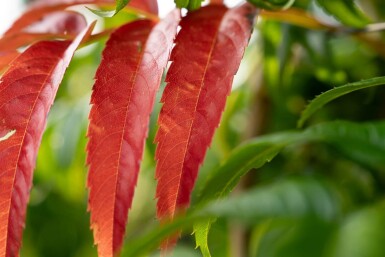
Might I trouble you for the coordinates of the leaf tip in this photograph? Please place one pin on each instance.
(102, 14)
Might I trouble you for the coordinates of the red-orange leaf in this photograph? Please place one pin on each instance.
(42, 7)
(123, 96)
(6, 58)
(207, 54)
(27, 91)
(61, 24)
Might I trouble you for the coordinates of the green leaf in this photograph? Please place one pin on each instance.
(272, 4)
(293, 237)
(194, 4)
(334, 93)
(254, 154)
(145, 244)
(182, 250)
(201, 231)
(363, 142)
(289, 198)
(346, 11)
(103, 14)
(349, 240)
(120, 4)
(181, 3)
(189, 4)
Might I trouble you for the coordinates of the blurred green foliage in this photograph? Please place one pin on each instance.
(321, 196)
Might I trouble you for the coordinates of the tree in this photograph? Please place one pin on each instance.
(298, 50)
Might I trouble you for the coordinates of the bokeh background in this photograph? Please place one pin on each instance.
(284, 67)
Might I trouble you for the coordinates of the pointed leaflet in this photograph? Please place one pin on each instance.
(207, 54)
(66, 22)
(43, 7)
(346, 11)
(324, 98)
(27, 91)
(123, 95)
(120, 4)
(62, 24)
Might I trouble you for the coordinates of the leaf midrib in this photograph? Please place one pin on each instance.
(209, 57)
(134, 81)
(22, 144)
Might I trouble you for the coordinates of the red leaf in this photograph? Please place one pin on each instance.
(61, 24)
(66, 22)
(123, 96)
(27, 91)
(207, 55)
(6, 58)
(42, 7)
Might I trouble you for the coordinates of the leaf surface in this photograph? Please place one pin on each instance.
(315, 197)
(42, 7)
(364, 221)
(189, 4)
(8, 135)
(223, 180)
(346, 11)
(365, 137)
(207, 54)
(6, 57)
(292, 198)
(334, 93)
(27, 91)
(120, 4)
(289, 198)
(253, 154)
(60, 24)
(201, 232)
(365, 142)
(123, 96)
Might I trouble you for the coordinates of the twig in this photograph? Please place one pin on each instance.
(93, 38)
